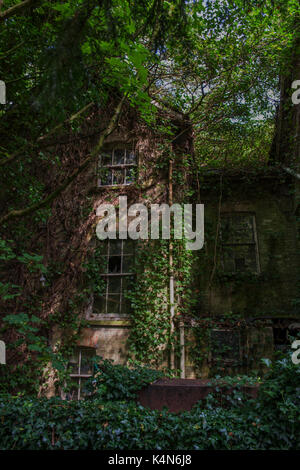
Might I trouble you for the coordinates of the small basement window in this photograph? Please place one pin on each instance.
(81, 369)
(225, 346)
(239, 243)
(117, 167)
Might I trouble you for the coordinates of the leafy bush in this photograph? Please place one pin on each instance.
(269, 422)
(117, 382)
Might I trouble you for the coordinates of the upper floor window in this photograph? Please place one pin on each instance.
(117, 275)
(117, 167)
(239, 243)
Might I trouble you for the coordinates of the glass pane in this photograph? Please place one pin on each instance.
(72, 394)
(243, 229)
(114, 264)
(125, 306)
(119, 157)
(106, 177)
(115, 247)
(128, 246)
(99, 304)
(245, 259)
(86, 366)
(127, 282)
(130, 175)
(118, 177)
(130, 157)
(226, 229)
(103, 264)
(127, 263)
(74, 364)
(228, 259)
(106, 158)
(83, 390)
(225, 344)
(113, 303)
(114, 285)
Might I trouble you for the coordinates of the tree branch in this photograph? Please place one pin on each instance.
(39, 205)
(43, 137)
(16, 9)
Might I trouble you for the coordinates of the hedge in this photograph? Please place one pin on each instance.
(269, 422)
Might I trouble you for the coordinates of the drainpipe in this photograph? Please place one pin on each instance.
(182, 350)
(171, 271)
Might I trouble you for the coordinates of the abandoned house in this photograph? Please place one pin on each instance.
(243, 284)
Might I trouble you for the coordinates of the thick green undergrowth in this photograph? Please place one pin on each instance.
(269, 422)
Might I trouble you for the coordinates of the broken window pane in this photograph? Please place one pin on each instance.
(114, 264)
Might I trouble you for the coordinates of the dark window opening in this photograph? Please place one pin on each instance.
(284, 332)
(239, 243)
(225, 346)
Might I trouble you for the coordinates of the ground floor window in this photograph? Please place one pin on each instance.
(81, 369)
(225, 346)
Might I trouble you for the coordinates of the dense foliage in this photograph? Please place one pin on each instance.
(270, 422)
(113, 382)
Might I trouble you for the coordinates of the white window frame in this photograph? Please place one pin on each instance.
(121, 275)
(112, 167)
(79, 377)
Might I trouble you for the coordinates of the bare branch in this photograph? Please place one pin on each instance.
(43, 137)
(39, 205)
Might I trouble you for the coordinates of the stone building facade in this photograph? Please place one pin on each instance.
(246, 278)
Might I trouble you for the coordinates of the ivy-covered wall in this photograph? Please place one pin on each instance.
(242, 303)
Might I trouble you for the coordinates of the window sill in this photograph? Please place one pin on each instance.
(114, 186)
(108, 319)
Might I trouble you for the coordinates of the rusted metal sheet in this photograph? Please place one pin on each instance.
(182, 394)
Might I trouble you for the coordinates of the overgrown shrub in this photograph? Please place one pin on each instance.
(118, 382)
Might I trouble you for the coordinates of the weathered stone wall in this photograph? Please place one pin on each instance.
(274, 289)
(271, 293)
